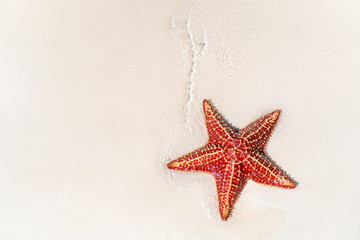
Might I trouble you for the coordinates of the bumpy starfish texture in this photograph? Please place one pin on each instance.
(234, 156)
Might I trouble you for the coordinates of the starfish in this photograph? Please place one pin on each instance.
(233, 156)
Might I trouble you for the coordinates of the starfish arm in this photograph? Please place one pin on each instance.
(258, 132)
(209, 159)
(218, 129)
(229, 185)
(265, 171)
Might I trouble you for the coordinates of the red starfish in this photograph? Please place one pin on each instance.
(233, 156)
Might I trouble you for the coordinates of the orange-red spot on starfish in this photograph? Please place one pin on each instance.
(233, 156)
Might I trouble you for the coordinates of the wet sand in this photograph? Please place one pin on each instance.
(97, 97)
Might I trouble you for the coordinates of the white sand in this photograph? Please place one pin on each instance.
(96, 96)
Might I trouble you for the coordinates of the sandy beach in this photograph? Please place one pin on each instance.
(97, 96)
